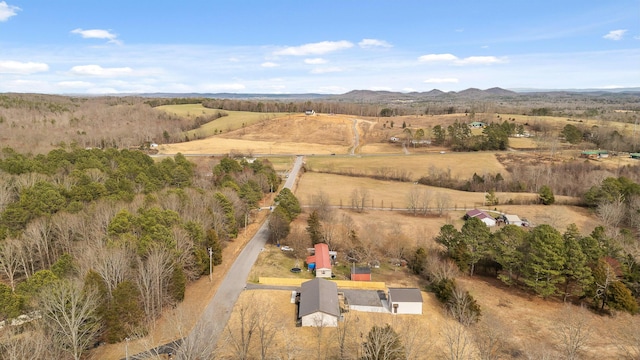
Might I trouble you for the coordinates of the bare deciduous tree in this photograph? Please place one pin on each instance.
(489, 337)
(26, 344)
(112, 263)
(152, 278)
(240, 335)
(628, 338)
(359, 199)
(574, 330)
(40, 234)
(443, 202)
(612, 212)
(196, 343)
(266, 328)
(413, 200)
(457, 340)
(416, 337)
(11, 260)
(69, 313)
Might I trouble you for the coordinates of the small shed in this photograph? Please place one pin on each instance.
(361, 274)
(405, 301)
(322, 260)
(483, 216)
(319, 304)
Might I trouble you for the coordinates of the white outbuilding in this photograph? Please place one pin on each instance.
(405, 301)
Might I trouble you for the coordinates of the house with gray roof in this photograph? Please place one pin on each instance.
(319, 304)
(405, 301)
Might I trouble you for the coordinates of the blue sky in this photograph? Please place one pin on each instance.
(318, 46)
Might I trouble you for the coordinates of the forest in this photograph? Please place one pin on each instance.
(113, 232)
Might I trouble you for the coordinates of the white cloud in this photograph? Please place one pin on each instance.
(441, 81)
(7, 11)
(25, 68)
(75, 84)
(615, 35)
(318, 48)
(326, 70)
(97, 70)
(315, 61)
(97, 34)
(269, 64)
(480, 60)
(471, 60)
(437, 57)
(371, 43)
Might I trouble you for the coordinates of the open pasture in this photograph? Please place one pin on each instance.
(461, 165)
(234, 119)
(219, 145)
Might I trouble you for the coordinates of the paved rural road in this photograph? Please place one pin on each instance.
(217, 313)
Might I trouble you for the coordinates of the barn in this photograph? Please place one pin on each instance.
(483, 216)
(319, 303)
(405, 301)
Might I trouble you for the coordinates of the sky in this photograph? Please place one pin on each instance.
(316, 46)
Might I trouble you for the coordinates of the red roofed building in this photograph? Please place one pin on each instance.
(323, 261)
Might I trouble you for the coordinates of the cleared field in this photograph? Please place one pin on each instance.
(234, 119)
(219, 145)
(522, 143)
(461, 165)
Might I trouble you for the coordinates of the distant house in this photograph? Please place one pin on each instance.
(594, 154)
(513, 220)
(477, 125)
(309, 112)
(361, 274)
(484, 217)
(322, 260)
(405, 301)
(319, 303)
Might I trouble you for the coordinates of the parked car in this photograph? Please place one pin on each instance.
(286, 248)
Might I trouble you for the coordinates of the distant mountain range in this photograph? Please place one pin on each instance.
(390, 96)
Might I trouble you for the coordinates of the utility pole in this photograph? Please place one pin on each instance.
(210, 264)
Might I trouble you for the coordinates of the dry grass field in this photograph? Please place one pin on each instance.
(527, 325)
(461, 165)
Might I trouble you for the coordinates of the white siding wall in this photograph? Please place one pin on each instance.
(323, 273)
(319, 319)
(407, 308)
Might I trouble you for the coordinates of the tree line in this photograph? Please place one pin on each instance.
(596, 268)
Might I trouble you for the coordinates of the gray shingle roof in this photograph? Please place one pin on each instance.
(405, 295)
(319, 295)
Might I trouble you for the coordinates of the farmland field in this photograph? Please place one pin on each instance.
(233, 120)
